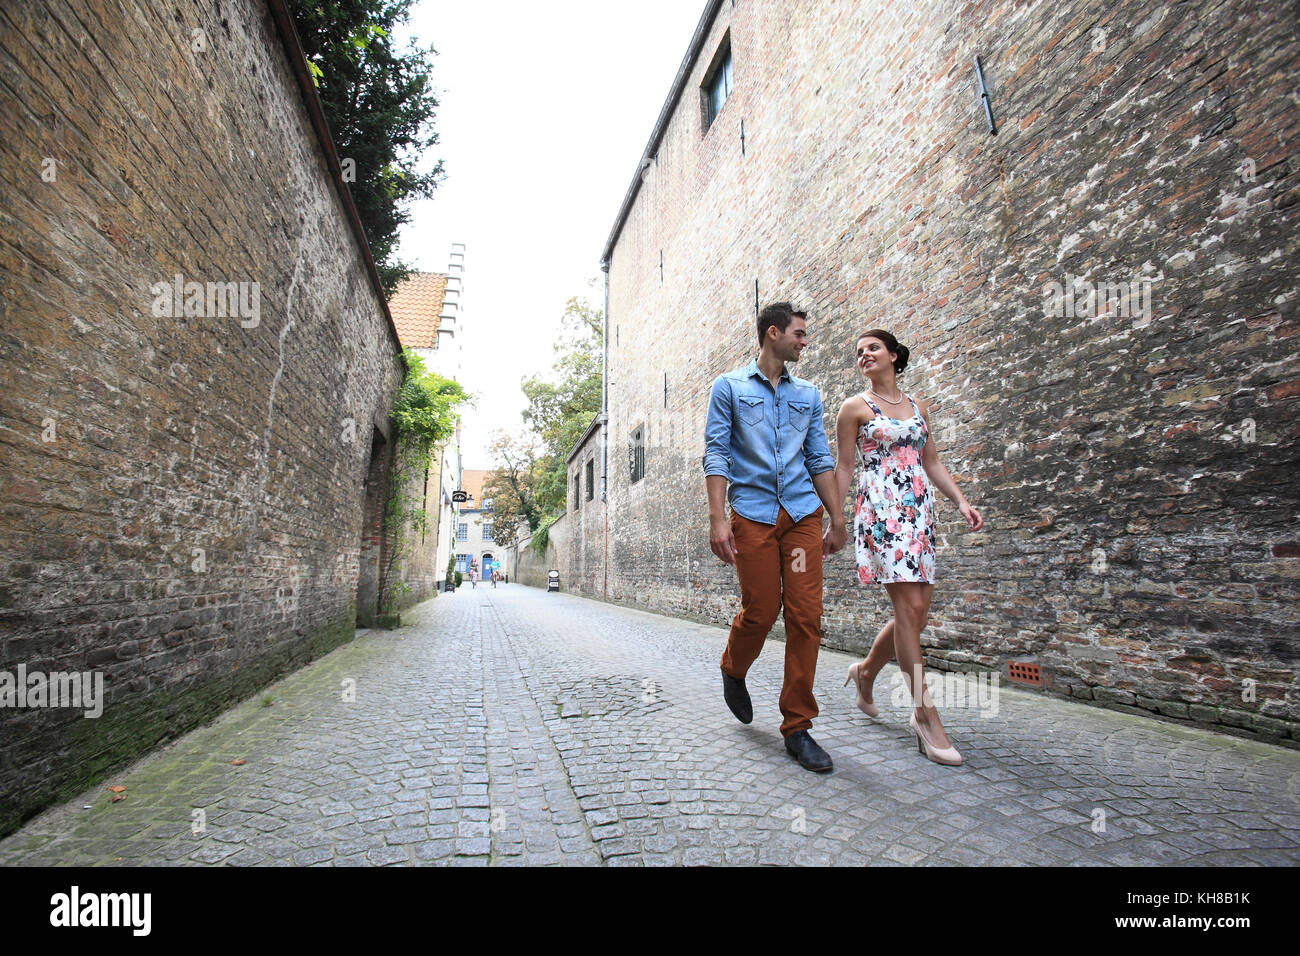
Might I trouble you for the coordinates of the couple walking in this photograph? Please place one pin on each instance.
(765, 438)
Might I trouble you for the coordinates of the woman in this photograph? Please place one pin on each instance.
(894, 523)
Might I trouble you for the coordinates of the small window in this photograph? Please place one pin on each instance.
(718, 86)
(636, 454)
(487, 530)
(591, 478)
(577, 492)
(462, 532)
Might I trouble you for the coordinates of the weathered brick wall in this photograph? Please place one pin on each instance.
(409, 564)
(531, 568)
(581, 563)
(1136, 472)
(182, 496)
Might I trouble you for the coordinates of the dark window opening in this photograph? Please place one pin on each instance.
(718, 85)
(591, 478)
(636, 454)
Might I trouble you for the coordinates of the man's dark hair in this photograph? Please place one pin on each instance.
(778, 314)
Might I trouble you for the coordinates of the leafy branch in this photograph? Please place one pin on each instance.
(424, 417)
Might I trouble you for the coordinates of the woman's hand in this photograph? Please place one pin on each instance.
(975, 519)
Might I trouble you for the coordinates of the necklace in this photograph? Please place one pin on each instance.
(891, 401)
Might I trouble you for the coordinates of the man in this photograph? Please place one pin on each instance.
(765, 435)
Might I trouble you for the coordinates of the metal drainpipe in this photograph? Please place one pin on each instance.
(604, 435)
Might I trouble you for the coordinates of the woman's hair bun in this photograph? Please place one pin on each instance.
(901, 364)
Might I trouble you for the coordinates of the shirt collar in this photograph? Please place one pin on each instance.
(752, 369)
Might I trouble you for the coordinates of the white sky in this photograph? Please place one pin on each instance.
(545, 110)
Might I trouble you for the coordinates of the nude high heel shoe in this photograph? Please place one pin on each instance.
(855, 675)
(948, 756)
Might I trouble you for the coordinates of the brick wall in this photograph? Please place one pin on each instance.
(1135, 471)
(581, 563)
(532, 569)
(400, 554)
(182, 495)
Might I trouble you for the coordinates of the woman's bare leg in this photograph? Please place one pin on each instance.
(882, 652)
(911, 612)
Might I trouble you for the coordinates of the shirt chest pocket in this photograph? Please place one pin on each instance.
(799, 413)
(751, 409)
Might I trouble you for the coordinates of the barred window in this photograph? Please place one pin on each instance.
(636, 454)
(591, 478)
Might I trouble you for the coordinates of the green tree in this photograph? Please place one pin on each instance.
(424, 416)
(530, 475)
(559, 411)
(379, 104)
(425, 409)
(512, 485)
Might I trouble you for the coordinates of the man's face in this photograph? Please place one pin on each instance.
(791, 342)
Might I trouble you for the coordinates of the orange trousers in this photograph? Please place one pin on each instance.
(779, 566)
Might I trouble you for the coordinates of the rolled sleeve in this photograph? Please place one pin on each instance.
(717, 431)
(816, 447)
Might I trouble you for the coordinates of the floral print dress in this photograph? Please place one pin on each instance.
(893, 520)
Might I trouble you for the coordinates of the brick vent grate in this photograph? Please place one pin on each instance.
(1023, 672)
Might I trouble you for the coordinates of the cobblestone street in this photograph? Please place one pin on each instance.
(511, 726)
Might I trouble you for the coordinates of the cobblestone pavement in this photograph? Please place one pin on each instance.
(512, 726)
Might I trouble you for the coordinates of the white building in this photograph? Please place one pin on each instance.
(427, 309)
(474, 545)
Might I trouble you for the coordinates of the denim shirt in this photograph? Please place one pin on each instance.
(767, 443)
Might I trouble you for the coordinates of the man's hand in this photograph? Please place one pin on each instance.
(836, 535)
(721, 540)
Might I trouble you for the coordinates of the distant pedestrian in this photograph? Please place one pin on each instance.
(473, 578)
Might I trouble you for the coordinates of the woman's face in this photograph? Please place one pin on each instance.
(872, 356)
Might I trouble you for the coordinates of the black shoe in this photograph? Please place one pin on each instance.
(737, 697)
(804, 749)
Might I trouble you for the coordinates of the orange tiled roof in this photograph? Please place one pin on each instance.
(416, 305)
(472, 481)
